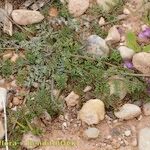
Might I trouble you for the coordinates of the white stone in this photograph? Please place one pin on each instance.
(105, 4)
(117, 87)
(26, 17)
(72, 99)
(87, 89)
(3, 98)
(127, 133)
(144, 139)
(92, 112)
(97, 46)
(113, 35)
(126, 53)
(91, 133)
(126, 11)
(2, 131)
(78, 7)
(30, 138)
(101, 21)
(64, 125)
(141, 61)
(16, 101)
(128, 111)
(146, 109)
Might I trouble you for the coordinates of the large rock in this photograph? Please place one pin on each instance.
(141, 62)
(146, 109)
(91, 133)
(126, 53)
(92, 111)
(144, 139)
(117, 87)
(72, 99)
(106, 5)
(128, 111)
(77, 7)
(26, 17)
(97, 46)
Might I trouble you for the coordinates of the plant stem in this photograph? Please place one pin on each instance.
(93, 59)
(109, 64)
(136, 75)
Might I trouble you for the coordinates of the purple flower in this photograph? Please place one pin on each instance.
(144, 34)
(128, 64)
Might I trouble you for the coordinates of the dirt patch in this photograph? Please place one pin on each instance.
(16, 3)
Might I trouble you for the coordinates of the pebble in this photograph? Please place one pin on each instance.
(64, 125)
(126, 11)
(72, 99)
(109, 137)
(113, 35)
(127, 133)
(115, 144)
(87, 89)
(26, 17)
(101, 21)
(144, 139)
(78, 7)
(61, 117)
(97, 46)
(141, 61)
(29, 137)
(146, 109)
(53, 12)
(2, 131)
(128, 111)
(16, 101)
(126, 53)
(92, 111)
(91, 133)
(13, 83)
(67, 116)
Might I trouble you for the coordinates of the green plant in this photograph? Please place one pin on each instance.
(6, 68)
(55, 58)
(132, 41)
(42, 100)
(146, 48)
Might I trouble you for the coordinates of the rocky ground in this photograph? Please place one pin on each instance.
(109, 50)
